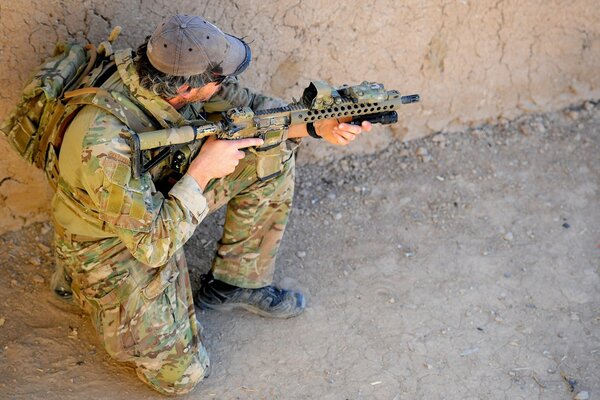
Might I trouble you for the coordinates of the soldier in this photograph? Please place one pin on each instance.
(119, 239)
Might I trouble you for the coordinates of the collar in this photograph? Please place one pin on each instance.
(160, 109)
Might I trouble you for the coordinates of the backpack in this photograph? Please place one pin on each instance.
(36, 126)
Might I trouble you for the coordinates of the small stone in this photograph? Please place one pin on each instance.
(525, 129)
(583, 395)
(37, 278)
(337, 216)
(439, 138)
(72, 333)
(478, 133)
(507, 274)
(2, 321)
(45, 229)
(566, 225)
(301, 254)
(331, 196)
(422, 152)
(508, 236)
(574, 115)
(35, 261)
(43, 247)
(392, 300)
(574, 317)
(539, 127)
(469, 352)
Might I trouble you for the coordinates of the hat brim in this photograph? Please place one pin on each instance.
(238, 56)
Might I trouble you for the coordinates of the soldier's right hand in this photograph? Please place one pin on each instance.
(218, 158)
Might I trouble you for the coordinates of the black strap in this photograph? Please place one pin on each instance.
(310, 127)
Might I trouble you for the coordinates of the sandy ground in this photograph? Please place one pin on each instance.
(463, 266)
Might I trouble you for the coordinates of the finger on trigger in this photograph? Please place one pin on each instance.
(249, 142)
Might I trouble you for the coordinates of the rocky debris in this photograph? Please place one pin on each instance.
(423, 154)
(301, 254)
(73, 332)
(583, 395)
(468, 352)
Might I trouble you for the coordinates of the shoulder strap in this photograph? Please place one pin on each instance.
(114, 103)
(162, 111)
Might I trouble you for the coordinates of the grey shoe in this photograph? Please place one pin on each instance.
(268, 301)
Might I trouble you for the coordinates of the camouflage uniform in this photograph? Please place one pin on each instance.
(120, 239)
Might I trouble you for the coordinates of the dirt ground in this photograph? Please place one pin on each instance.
(463, 266)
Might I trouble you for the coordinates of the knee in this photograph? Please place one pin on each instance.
(178, 375)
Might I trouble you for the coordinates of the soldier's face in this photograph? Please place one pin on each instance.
(186, 95)
(200, 94)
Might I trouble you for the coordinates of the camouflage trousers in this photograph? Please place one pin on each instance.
(146, 316)
(257, 213)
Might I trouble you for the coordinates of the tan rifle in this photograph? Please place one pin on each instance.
(368, 101)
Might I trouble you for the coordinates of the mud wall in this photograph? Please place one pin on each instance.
(473, 62)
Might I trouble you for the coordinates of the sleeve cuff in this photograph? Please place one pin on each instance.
(189, 193)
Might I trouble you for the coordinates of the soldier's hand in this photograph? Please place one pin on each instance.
(218, 158)
(339, 132)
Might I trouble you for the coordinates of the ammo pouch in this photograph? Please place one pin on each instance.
(269, 161)
(271, 156)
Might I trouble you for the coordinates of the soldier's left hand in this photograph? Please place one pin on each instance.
(338, 132)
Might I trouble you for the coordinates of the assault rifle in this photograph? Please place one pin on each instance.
(368, 101)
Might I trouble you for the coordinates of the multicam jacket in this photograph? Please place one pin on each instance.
(97, 196)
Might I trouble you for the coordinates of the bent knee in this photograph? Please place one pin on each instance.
(177, 376)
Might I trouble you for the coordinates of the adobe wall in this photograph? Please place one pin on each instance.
(472, 62)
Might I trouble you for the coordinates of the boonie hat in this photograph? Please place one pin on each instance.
(187, 45)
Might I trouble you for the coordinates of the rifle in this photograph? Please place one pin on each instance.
(368, 101)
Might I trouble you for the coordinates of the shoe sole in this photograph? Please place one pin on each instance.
(252, 309)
